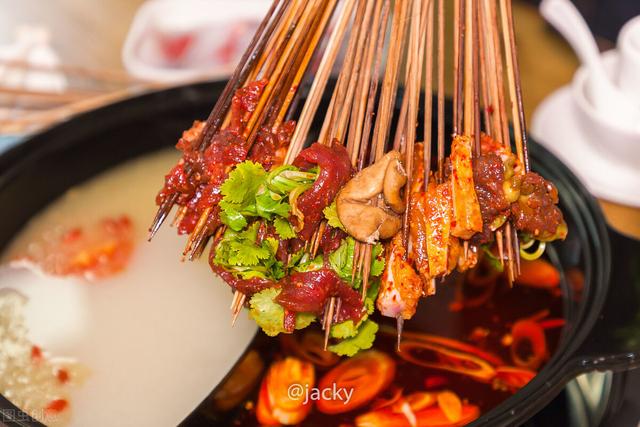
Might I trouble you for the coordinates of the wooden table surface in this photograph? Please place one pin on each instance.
(91, 33)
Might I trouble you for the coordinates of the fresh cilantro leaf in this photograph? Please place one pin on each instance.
(246, 253)
(250, 233)
(304, 319)
(296, 258)
(372, 294)
(250, 192)
(284, 228)
(361, 341)
(239, 253)
(272, 244)
(345, 329)
(377, 260)
(243, 182)
(331, 215)
(349, 328)
(234, 219)
(341, 260)
(269, 315)
(268, 204)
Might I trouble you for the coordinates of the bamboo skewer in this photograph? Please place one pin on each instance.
(359, 107)
(389, 84)
(247, 63)
(373, 88)
(428, 91)
(383, 117)
(365, 102)
(263, 32)
(298, 59)
(197, 241)
(319, 84)
(476, 76)
(457, 65)
(287, 87)
(468, 66)
(459, 30)
(340, 93)
(513, 76)
(354, 76)
(427, 166)
(359, 256)
(485, 95)
(302, 68)
(270, 53)
(293, 44)
(340, 107)
(422, 17)
(285, 48)
(309, 48)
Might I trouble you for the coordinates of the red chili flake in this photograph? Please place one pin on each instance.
(435, 381)
(72, 235)
(57, 406)
(479, 334)
(62, 375)
(490, 109)
(551, 323)
(36, 353)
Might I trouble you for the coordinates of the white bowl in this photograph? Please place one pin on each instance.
(182, 40)
(628, 72)
(618, 143)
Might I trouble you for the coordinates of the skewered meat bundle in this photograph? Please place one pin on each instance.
(360, 219)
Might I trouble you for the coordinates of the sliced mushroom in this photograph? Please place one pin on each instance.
(394, 179)
(370, 204)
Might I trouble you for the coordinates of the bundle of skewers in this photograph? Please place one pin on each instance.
(365, 216)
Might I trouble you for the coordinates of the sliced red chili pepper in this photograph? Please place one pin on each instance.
(435, 381)
(538, 273)
(366, 374)
(524, 331)
(512, 378)
(538, 315)
(454, 344)
(448, 359)
(428, 417)
(552, 323)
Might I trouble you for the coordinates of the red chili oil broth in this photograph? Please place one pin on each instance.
(434, 316)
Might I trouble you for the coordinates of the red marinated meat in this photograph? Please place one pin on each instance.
(536, 211)
(198, 175)
(331, 239)
(246, 286)
(289, 322)
(309, 292)
(335, 171)
(488, 176)
(270, 147)
(244, 102)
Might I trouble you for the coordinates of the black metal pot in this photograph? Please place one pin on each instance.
(600, 332)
